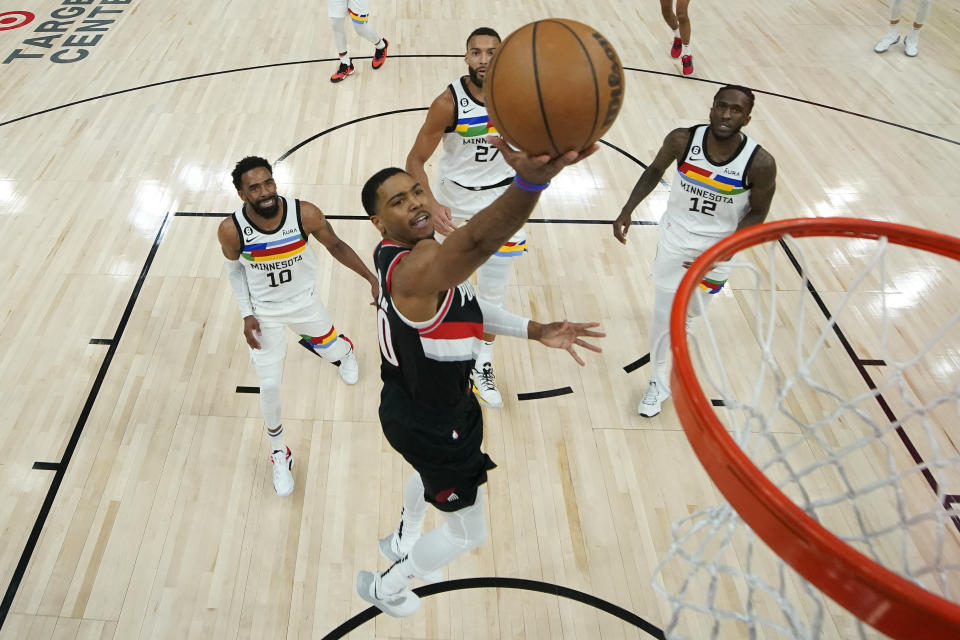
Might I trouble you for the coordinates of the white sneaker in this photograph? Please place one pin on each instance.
(485, 386)
(282, 478)
(389, 549)
(911, 43)
(349, 369)
(887, 41)
(397, 605)
(652, 399)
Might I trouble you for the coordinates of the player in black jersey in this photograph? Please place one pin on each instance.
(428, 319)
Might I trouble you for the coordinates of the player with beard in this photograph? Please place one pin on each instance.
(428, 319)
(724, 182)
(273, 274)
(473, 173)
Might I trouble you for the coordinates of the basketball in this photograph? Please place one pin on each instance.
(554, 85)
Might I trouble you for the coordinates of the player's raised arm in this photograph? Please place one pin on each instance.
(440, 117)
(447, 265)
(671, 151)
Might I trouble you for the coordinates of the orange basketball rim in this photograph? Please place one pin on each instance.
(881, 598)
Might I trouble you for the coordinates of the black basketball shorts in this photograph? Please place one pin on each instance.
(443, 447)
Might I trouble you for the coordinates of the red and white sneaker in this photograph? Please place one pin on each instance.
(380, 55)
(342, 72)
(282, 476)
(676, 48)
(687, 62)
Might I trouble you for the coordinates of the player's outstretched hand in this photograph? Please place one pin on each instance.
(539, 169)
(621, 226)
(565, 335)
(251, 331)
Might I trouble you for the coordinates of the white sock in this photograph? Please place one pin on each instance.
(396, 578)
(414, 512)
(381, 44)
(485, 354)
(894, 32)
(276, 440)
(687, 50)
(460, 532)
(345, 59)
(676, 33)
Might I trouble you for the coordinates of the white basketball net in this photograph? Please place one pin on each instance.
(797, 405)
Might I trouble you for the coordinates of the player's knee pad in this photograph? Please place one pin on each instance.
(492, 279)
(339, 34)
(467, 527)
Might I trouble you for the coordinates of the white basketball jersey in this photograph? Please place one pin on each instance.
(467, 160)
(707, 200)
(281, 271)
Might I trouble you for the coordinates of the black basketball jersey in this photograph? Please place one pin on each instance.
(431, 360)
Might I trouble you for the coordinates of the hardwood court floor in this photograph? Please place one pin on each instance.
(164, 523)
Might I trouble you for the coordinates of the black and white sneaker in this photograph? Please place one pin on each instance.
(485, 386)
(652, 400)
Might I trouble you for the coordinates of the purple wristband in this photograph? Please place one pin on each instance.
(529, 186)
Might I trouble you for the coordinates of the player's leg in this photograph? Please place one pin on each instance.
(315, 328)
(911, 43)
(686, 52)
(668, 271)
(398, 543)
(493, 276)
(658, 387)
(359, 11)
(462, 530)
(337, 12)
(666, 10)
(893, 35)
(268, 362)
(450, 471)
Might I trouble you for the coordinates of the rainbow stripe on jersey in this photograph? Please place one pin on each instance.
(712, 286)
(359, 18)
(708, 180)
(476, 126)
(275, 250)
(321, 342)
(512, 249)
